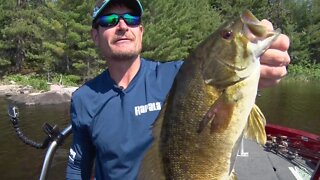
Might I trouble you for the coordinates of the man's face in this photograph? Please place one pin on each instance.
(120, 42)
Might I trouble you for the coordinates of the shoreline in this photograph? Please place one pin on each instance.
(28, 96)
(8, 90)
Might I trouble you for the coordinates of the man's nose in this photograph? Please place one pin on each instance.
(122, 25)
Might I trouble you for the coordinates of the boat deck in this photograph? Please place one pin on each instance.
(264, 165)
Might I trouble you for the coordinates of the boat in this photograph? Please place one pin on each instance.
(304, 143)
(298, 143)
(288, 154)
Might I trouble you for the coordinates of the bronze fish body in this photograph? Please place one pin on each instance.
(197, 133)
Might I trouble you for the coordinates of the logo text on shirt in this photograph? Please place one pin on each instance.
(72, 155)
(155, 106)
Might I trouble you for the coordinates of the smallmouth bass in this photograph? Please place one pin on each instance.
(209, 106)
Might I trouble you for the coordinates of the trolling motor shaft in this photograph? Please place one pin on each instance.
(53, 140)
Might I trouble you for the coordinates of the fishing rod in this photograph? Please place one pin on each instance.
(53, 140)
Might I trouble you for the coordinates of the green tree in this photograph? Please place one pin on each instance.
(21, 38)
(295, 26)
(173, 28)
(5, 63)
(314, 31)
(79, 54)
(52, 37)
(232, 8)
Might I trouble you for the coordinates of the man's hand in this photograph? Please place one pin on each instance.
(274, 60)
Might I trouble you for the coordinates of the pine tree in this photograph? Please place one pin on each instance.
(21, 38)
(173, 28)
(233, 8)
(314, 31)
(5, 10)
(79, 54)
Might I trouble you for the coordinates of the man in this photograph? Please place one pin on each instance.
(112, 114)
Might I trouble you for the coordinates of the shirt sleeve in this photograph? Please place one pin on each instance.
(82, 151)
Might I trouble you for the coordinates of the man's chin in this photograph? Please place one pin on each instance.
(124, 56)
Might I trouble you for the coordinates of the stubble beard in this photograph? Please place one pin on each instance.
(124, 56)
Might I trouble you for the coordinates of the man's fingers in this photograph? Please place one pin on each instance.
(272, 72)
(281, 43)
(274, 60)
(274, 57)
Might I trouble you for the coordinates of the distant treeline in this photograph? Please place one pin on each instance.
(50, 37)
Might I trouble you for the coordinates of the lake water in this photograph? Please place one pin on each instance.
(291, 104)
(19, 161)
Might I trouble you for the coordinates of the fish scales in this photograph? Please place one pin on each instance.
(198, 131)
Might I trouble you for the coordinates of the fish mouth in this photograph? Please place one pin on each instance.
(231, 66)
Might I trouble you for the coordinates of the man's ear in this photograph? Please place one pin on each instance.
(141, 29)
(94, 36)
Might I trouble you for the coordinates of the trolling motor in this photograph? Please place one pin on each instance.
(54, 139)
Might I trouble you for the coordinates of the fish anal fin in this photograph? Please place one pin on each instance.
(255, 129)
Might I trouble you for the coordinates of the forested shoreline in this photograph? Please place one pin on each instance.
(49, 40)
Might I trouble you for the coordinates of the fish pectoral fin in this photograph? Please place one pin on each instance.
(255, 129)
(219, 115)
(207, 119)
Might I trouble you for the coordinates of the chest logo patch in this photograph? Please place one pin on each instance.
(139, 110)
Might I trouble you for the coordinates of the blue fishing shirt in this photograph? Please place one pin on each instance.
(112, 126)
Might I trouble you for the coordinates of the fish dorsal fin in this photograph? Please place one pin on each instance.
(255, 129)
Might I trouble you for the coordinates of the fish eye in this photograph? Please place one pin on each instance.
(227, 34)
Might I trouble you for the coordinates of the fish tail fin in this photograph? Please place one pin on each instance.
(255, 129)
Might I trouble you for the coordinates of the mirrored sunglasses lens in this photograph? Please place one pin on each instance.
(131, 20)
(109, 20)
(113, 20)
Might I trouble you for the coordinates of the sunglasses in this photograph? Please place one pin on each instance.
(112, 20)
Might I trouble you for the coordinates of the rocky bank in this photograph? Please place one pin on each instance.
(26, 95)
